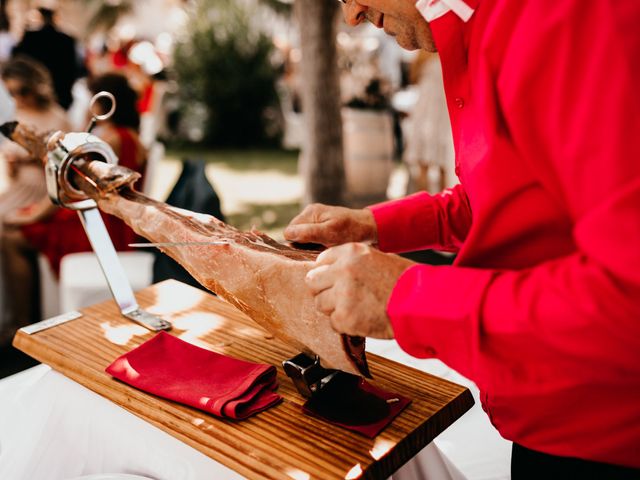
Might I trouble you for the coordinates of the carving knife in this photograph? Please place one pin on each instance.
(175, 244)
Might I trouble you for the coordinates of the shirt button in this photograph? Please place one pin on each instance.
(459, 102)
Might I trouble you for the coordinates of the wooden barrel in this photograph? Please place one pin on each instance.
(368, 155)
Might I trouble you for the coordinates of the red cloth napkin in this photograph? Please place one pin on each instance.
(351, 402)
(174, 369)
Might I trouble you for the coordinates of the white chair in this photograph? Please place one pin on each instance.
(82, 282)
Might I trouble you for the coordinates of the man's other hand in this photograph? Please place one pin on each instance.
(331, 226)
(352, 284)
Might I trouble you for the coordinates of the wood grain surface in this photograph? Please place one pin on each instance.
(280, 443)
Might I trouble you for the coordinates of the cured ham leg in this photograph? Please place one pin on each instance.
(261, 277)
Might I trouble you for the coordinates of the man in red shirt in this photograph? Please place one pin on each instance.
(542, 305)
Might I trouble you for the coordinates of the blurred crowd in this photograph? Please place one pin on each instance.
(48, 79)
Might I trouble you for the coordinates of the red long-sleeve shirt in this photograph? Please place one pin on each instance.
(542, 305)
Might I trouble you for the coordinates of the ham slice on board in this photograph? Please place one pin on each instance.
(261, 277)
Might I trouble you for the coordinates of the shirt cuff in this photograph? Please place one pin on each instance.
(407, 224)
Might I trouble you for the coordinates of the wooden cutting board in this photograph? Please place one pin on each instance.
(279, 443)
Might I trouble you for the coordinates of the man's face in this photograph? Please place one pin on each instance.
(398, 18)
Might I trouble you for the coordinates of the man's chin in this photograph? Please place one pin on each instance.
(428, 46)
(407, 44)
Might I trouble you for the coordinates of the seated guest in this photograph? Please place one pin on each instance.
(55, 232)
(31, 88)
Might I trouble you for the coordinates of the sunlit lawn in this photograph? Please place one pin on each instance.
(258, 188)
(285, 161)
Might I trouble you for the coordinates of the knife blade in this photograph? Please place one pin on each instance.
(175, 244)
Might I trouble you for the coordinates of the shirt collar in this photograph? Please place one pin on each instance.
(432, 9)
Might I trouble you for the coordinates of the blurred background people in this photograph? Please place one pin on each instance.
(140, 63)
(31, 88)
(7, 41)
(56, 51)
(29, 84)
(121, 59)
(429, 152)
(43, 228)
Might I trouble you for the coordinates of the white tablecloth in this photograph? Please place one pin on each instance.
(52, 428)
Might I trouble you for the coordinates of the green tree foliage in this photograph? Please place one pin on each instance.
(223, 66)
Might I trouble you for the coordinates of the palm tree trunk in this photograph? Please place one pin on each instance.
(322, 161)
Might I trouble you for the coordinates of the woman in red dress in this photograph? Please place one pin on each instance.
(56, 232)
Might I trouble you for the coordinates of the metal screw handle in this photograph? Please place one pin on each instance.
(95, 116)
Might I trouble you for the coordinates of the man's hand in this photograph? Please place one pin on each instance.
(352, 284)
(331, 226)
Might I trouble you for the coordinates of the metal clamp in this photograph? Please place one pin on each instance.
(64, 149)
(308, 376)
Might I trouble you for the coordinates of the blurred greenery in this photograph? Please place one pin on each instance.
(270, 218)
(226, 78)
(285, 161)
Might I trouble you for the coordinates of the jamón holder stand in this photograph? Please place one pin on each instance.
(63, 150)
(308, 376)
